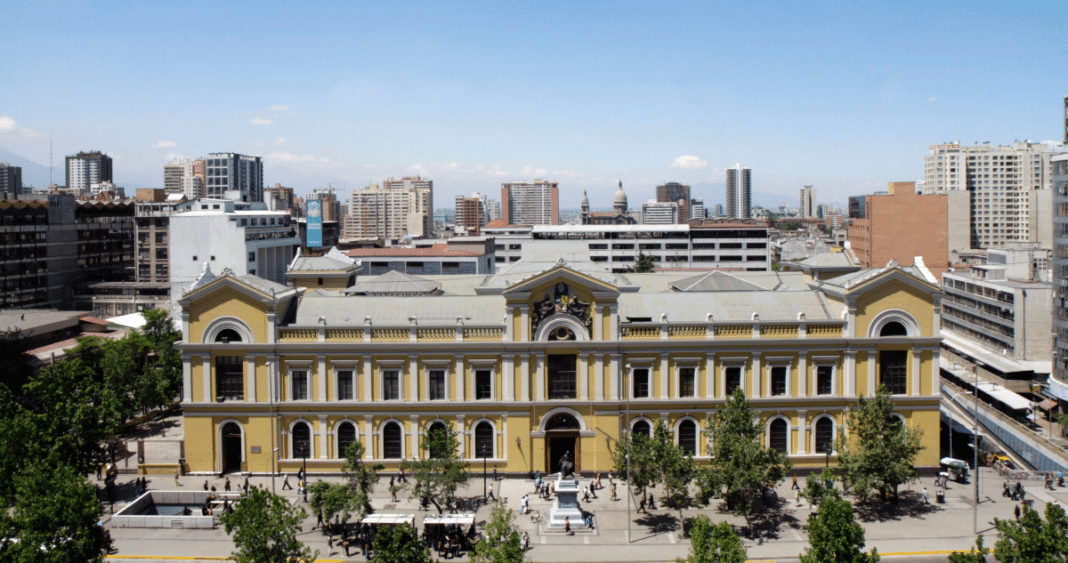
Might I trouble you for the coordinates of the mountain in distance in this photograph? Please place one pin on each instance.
(36, 175)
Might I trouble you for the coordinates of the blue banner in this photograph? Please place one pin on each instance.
(315, 224)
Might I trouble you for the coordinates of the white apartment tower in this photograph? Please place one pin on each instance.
(1010, 197)
(87, 168)
(392, 210)
(233, 176)
(808, 202)
(739, 198)
(184, 176)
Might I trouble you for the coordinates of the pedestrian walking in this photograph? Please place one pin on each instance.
(589, 522)
(524, 503)
(205, 484)
(795, 485)
(652, 504)
(226, 486)
(244, 488)
(1049, 481)
(598, 481)
(585, 494)
(567, 526)
(176, 484)
(614, 497)
(319, 519)
(489, 494)
(285, 482)
(495, 473)
(593, 490)
(393, 492)
(797, 497)
(400, 476)
(1016, 511)
(641, 506)
(923, 496)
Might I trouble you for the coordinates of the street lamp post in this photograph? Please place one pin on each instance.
(485, 495)
(975, 444)
(626, 393)
(304, 473)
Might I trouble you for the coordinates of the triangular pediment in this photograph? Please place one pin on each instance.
(561, 274)
(264, 291)
(866, 280)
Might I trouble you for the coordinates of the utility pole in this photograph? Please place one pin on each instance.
(975, 444)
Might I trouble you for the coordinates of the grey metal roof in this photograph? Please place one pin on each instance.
(725, 306)
(393, 283)
(267, 286)
(320, 264)
(829, 260)
(716, 281)
(351, 310)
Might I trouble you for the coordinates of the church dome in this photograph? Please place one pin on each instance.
(620, 199)
(585, 200)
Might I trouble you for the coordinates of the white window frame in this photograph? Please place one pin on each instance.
(789, 432)
(485, 365)
(338, 454)
(472, 441)
(724, 364)
(381, 434)
(817, 361)
(687, 363)
(437, 365)
(636, 364)
(350, 366)
(311, 438)
(635, 420)
(696, 435)
(772, 362)
(391, 365)
(834, 433)
(292, 367)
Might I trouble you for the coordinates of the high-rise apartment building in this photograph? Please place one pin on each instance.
(394, 209)
(660, 213)
(902, 226)
(331, 208)
(678, 194)
(739, 197)
(232, 176)
(475, 211)
(10, 179)
(1066, 117)
(1009, 189)
(87, 168)
(531, 203)
(185, 177)
(279, 198)
(172, 177)
(808, 202)
(1058, 381)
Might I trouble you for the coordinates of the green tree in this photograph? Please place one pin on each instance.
(816, 488)
(351, 498)
(976, 555)
(642, 468)
(643, 265)
(835, 535)
(15, 363)
(20, 441)
(714, 543)
(772, 220)
(56, 509)
(441, 471)
(162, 379)
(399, 544)
(879, 452)
(1031, 538)
(671, 467)
(118, 365)
(501, 542)
(791, 225)
(264, 527)
(741, 466)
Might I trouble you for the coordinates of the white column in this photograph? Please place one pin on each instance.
(540, 377)
(613, 320)
(710, 375)
(322, 379)
(272, 378)
(367, 398)
(597, 324)
(322, 436)
(187, 380)
(504, 439)
(205, 368)
(413, 378)
(414, 434)
(524, 377)
(461, 379)
(598, 366)
(368, 439)
(915, 371)
(508, 374)
(802, 437)
(758, 375)
(584, 376)
(524, 323)
(849, 378)
(665, 377)
(871, 372)
(802, 374)
(461, 433)
(250, 372)
(613, 376)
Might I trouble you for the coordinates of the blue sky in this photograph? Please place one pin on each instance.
(845, 96)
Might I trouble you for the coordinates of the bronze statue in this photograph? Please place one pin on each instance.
(567, 469)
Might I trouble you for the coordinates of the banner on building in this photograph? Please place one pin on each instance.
(315, 224)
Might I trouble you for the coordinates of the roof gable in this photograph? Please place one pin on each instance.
(561, 272)
(260, 289)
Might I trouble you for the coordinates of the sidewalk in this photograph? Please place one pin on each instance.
(907, 527)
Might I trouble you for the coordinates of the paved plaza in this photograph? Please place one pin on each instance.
(907, 528)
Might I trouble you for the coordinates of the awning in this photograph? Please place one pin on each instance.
(1008, 398)
(458, 519)
(379, 519)
(1047, 404)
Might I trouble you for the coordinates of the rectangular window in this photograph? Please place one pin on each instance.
(229, 377)
(251, 256)
(345, 391)
(562, 376)
(300, 385)
(483, 384)
(436, 385)
(823, 379)
(732, 379)
(893, 371)
(641, 383)
(778, 380)
(391, 385)
(687, 382)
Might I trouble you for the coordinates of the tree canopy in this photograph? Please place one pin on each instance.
(879, 452)
(714, 543)
(264, 528)
(501, 543)
(741, 466)
(1032, 538)
(399, 544)
(642, 265)
(440, 471)
(657, 459)
(835, 535)
(352, 497)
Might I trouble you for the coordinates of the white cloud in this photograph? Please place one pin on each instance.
(280, 141)
(165, 145)
(9, 125)
(286, 156)
(283, 108)
(689, 162)
(932, 98)
(172, 156)
(260, 121)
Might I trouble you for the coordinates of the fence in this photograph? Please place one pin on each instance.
(128, 452)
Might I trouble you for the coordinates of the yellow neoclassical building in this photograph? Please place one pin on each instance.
(545, 357)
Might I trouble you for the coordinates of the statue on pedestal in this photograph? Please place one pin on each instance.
(567, 468)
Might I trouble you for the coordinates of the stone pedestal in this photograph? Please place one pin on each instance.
(566, 506)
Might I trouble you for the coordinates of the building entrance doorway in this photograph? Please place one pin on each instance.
(561, 435)
(231, 447)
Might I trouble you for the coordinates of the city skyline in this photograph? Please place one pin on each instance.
(833, 96)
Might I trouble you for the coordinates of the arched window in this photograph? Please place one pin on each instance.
(824, 435)
(562, 421)
(228, 335)
(777, 435)
(435, 428)
(893, 328)
(391, 441)
(642, 427)
(561, 333)
(688, 437)
(301, 440)
(484, 439)
(346, 435)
